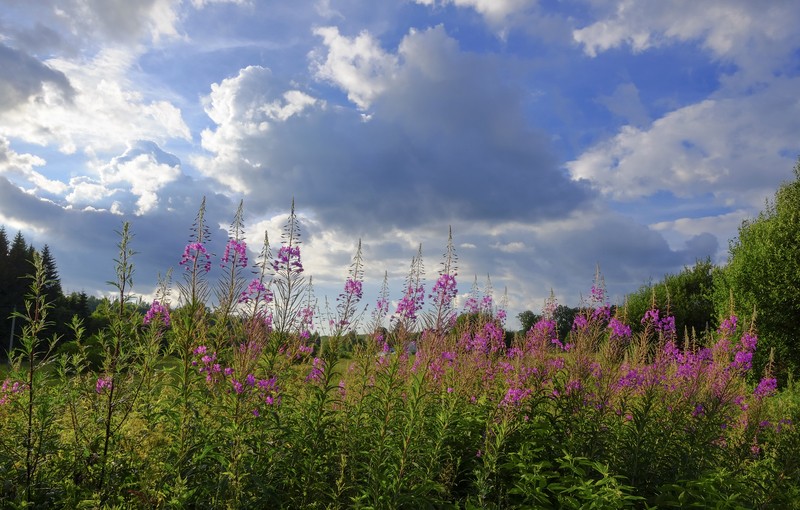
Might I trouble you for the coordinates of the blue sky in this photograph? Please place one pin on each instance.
(552, 136)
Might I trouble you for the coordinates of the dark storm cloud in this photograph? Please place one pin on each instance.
(83, 241)
(22, 76)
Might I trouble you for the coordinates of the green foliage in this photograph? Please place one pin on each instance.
(527, 319)
(212, 409)
(763, 275)
(688, 296)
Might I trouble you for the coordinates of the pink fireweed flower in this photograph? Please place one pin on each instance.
(767, 387)
(239, 249)
(664, 325)
(742, 360)
(237, 386)
(196, 253)
(317, 371)
(558, 343)
(632, 379)
(580, 323)
(10, 388)
(472, 305)
(306, 317)
(573, 386)
(728, 326)
(157, 311)
(541, 334)
(288, 259)
(304, 350)
(382, 306)
(255, 289)
(487, 304)
(601, 314)
(514, 396)
(353, 288)
(619, 330)
(501, 315)
(598, 295)
(749, 341)
(411, 303)
(103, 384)
(444, 290)
(208, 363)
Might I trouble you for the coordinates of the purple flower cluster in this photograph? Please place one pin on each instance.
(208, 363)
(269, 391)
(239, 257)
(103, 384)
(157, 311)
(598, 294)
(766, 387)
(444, 290)
(728, 327)
(580, 323)
(411, 303)
(317, 371)
(472, 305)
(515, 396)
(382, 306)
(353, 288)
(9, 389)
(288, 260)
(195, 253)
(664, 325)
(255, 290)
(619, 330)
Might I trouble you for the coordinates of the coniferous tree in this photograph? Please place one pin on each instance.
(20, 258)
(19, 264)
(5, 292)
(52, 287)
(5, 298)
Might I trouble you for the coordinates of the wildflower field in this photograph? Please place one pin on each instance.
(226, 396)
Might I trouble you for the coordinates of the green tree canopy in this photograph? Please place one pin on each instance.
(688, 296)
(527, 319)
(763, 274)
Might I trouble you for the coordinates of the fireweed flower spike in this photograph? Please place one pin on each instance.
(444, 290)
(766, 387)
(10, 388)
(239, 256)
(347, 302)
(196, 254)
(289, 284)
(414, 295)
(157, 311)
(103, 384)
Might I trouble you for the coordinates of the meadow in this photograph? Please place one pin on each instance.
(229, 398)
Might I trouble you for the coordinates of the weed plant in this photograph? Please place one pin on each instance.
(228, 400)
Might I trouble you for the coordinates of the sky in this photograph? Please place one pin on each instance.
(552, 137)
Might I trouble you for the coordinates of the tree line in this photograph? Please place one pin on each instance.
(760, 284)
(16, 264)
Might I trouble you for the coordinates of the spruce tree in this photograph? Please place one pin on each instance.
(52, 287)
(4, 291)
